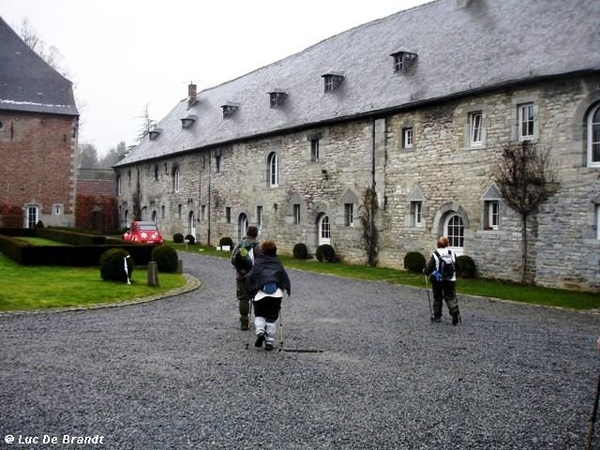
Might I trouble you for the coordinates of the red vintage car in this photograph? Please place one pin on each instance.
(143, 233)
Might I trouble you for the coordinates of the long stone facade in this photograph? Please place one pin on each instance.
(432, 165)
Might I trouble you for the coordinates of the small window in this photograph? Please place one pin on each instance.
(188, 121)
(153, 134)
(598, 222)
(155, 172)
(403, 61)
(475, 128)
(228, 214)
(217, 163)
(176, 179)
(277, 98)
(526, 121)
(119, 187)
(296, 214)
(593, 137)
(259, 215)
(491, 218)
(57, 209)
(163, 211)
(407, 137)
(348, 214)
(203, 213)
(332, 81)
(179, 209)
(416, 213)
(314, 150)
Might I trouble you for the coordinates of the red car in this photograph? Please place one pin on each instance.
(143, 233)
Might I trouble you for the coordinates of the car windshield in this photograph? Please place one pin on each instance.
(148, 227)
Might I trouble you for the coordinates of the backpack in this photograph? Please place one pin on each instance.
(243, 258)
(446, 268)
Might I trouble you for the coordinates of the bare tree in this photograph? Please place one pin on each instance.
(147, 124)
(50, 54)
(525, 179)
(370, 234)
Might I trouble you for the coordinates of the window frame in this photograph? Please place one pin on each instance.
(408, 138)
(491, 208)
(526, 122)
(176, 180)
(590, 137)
(476, 129)
(296, 213)
(349, 214)
(416, 213)
(314, 150)
(273, 170)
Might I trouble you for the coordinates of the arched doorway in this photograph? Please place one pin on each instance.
(192, 224)
(324, 230)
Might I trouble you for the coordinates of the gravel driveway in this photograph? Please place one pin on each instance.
(365, 369)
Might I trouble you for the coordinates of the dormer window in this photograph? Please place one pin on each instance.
(403, 60)
(333, 80)
(187, 122)
(153, 134)
(277, 98)
(229, 109)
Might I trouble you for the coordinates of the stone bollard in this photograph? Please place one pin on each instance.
(180, 266)
(152, 274)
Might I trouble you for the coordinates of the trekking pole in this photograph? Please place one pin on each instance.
(429, 299)
(593, 418)
(250, 302)
(280, 331)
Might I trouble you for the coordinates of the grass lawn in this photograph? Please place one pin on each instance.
(43, 287)
(485, 288)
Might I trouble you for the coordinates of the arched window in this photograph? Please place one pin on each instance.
(593, 139)
(176, 179)
(154, 216)
(192, 223)
(242, 226)
(455, 231)
(324, 230)
(273, 170)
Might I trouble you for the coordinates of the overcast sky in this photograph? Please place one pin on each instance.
(125, 54)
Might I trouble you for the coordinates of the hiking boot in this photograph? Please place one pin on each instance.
(269, 347)
(245, 323)
(436, 318)
(260, 338)
(455, 318)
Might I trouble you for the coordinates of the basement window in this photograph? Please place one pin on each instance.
(403, 60)
(333, 80)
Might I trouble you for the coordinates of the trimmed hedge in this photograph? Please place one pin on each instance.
(466, 267)
(300, 251)
(326, 252)
(112, 265)
(414, 262)
(166, 259)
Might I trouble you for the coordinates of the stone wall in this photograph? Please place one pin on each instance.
(442, 169)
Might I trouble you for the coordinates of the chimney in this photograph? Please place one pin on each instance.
(191, 94)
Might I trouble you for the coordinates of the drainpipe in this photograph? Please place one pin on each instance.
(209, 193)
(373, 152)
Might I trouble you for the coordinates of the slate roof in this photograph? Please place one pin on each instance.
(27, 82)
(461, 50)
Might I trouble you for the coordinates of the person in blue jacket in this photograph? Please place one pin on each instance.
(265, 283)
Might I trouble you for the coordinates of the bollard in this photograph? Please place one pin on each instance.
(180, 266)
(152, 274)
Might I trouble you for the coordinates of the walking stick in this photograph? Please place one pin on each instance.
(593, 418)
(280, 330)
(429, 299)
(250, 302)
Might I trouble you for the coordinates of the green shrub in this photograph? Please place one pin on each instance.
(178, 238)
(112, 266)
(466, 267)
(191, 239)
(414, 262)
(226, 240)
(300, 251)
(166, 259)
(326, 253)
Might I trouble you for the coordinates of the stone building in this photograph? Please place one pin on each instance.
(38, 138)
(417, 106)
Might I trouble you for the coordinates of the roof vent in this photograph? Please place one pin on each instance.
(153, 134)
(277, 98)
(229, 109)
(187, 122)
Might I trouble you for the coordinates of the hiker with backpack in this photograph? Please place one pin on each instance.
(242, 258)
(266, 283)
(441, 270)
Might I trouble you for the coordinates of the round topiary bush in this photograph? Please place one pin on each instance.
(190, 239)
(300, 251)
(414, 262)
(178, 238)
(466, 267)
(325, 252)
(165, 257)
(112, 265)
(226, 240)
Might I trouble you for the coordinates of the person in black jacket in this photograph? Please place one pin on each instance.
(265, 284)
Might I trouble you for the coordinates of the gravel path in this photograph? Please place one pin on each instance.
(368, 371)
